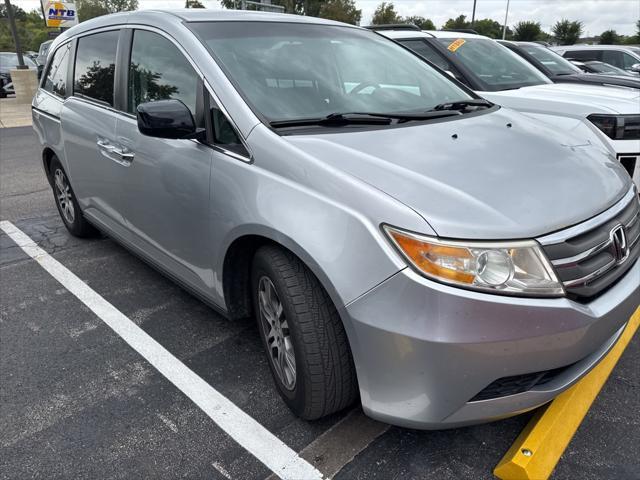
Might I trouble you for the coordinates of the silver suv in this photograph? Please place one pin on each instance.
(397, 238)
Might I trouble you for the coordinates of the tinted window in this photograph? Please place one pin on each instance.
(158, 71)
(556, 64)
(613, 57)
(582, 55)
(56, 79)
(95, 66)
(223, 132)
(493, 66)
(291, 71)
(628, 61)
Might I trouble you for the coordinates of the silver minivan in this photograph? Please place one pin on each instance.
(398, 239)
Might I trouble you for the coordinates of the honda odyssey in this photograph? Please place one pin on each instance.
(398, 239)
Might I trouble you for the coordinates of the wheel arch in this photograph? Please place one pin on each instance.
(47, 156)
(237, 262)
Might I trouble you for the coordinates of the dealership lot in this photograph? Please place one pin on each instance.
(78, 401)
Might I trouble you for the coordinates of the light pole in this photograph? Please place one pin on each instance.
(504, 27)
(473, 15)
(14, 33)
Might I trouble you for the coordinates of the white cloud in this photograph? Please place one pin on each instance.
(597, 15)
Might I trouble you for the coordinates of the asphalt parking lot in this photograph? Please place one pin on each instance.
(76, 401)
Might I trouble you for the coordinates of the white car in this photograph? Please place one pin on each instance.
(622, 56)
(496, 73)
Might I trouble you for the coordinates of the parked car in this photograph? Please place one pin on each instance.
(497, 74)
(561, 70)
(621, 56)
(397, 237)
(594, 66)
(42, 55)
(9, 60)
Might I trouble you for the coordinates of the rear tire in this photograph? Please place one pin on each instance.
(66, 202)
(304, 320)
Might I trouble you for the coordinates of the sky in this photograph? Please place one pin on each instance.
(597, 15)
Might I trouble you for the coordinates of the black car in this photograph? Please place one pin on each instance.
(9, 60)
(561, 70)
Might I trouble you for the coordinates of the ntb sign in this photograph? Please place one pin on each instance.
(59, 14)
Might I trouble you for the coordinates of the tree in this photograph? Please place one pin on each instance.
(527, 31)
(488, 27)
(457, 23)
(420, 22)
(566, 32)
(88, 9)
(30, 26)
(609, 37)
(298, 7)
(341, 11)
(385, 14)
(193, 4)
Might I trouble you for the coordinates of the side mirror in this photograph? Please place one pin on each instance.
(170, 119)
(635, 67)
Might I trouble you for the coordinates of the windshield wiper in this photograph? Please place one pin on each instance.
(462, 105)
(358, 118)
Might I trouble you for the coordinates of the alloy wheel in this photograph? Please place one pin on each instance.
(275, 329)
(64, 196)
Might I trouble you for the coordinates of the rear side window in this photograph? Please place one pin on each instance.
(95, 66)
(159, 71)
(613, 57)
(582, 55)
(56, 79)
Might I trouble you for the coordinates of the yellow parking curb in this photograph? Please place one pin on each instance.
(536, 451)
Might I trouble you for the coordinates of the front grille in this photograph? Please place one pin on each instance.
(506, 386)
(590, 262)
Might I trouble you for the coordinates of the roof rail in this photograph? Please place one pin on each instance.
(394, 26)
(460, 30)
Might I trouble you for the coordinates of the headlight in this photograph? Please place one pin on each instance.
(618, 127)
(515, 268)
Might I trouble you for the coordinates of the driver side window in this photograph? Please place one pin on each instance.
(159, 71)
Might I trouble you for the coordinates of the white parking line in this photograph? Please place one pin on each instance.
(252, 436)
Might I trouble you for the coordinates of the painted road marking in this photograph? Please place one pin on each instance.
(536, 451)
(252, 436)
(339, 445)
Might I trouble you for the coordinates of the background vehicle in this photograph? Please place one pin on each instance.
(496, 73)
(624, 57)
(595, 66)
(42, 55)
(9, 60)
(561, 70)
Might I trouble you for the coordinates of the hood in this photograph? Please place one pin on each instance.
(600, 79)
(571, 99)
(491, 182)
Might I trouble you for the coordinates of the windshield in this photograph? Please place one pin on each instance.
(493, 66)
(555, 63)
(601, 67)
(291, 71)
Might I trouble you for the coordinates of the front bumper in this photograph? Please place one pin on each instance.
(423, 350)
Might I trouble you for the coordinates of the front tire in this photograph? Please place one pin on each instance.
(66, 202)
(303, 336)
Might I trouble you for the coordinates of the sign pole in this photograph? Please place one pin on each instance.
(14, 33)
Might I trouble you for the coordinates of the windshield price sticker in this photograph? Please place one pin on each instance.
(456, 44)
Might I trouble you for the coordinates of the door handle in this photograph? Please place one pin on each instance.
(125, 155)
(122, 156)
